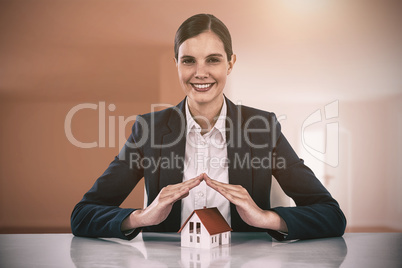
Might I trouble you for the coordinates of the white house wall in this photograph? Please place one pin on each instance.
(206, 240)
(185, 236)
(226, 240)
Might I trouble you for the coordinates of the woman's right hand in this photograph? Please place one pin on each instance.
(160, 208)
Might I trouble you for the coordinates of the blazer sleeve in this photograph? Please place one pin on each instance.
(317, 214)
(98, 213)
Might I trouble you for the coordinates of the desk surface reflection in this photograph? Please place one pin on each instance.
(163, 250)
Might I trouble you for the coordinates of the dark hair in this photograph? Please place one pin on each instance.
(198, 24)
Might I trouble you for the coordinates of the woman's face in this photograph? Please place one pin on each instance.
(203, 68)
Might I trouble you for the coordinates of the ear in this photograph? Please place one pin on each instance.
(231, 63)
(175, 61)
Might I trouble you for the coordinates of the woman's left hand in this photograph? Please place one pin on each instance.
(246, 207)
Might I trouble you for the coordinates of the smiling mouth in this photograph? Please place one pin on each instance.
(202, 87)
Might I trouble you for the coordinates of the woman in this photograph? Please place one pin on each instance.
(207, 151)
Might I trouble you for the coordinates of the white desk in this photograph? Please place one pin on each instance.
(382, 250)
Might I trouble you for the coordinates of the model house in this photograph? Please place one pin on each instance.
(205, 228)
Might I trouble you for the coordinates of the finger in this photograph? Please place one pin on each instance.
(187, 184)
(210, 181)
(229, 196)
(240, 193)
(195, 180)
(213, 185)
(172, 197)
(230, 192)
(216, 184)
(180, 195)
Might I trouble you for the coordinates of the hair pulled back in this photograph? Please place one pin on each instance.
(198, 24)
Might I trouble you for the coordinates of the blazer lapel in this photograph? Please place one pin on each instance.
(239, 151)
(172, 160)
(239, 155)
(173, 149)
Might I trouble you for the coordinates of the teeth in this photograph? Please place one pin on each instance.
(202, 85)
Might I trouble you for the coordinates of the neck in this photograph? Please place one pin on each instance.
(205, 114)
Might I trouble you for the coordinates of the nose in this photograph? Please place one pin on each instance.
(201, 71)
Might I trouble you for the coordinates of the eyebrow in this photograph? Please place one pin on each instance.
(210, 55)
(215, 55)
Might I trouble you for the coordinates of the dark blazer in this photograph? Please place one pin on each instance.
(256, 148)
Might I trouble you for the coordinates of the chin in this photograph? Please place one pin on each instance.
(201, 100)
(203, 97)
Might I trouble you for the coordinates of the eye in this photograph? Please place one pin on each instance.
(188, 61)
(213, 60)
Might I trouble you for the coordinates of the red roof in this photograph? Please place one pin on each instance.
(212, 219)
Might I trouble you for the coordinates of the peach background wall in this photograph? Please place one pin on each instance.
(294, 57)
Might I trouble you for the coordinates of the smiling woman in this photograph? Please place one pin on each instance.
(204, 58)
(203, 68)
(207, 126)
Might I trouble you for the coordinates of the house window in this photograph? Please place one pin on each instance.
(191, 227)
(198, 239)
(226, 235)
(212, 239)
(215, 238)
(198, 227)
(191, 239)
